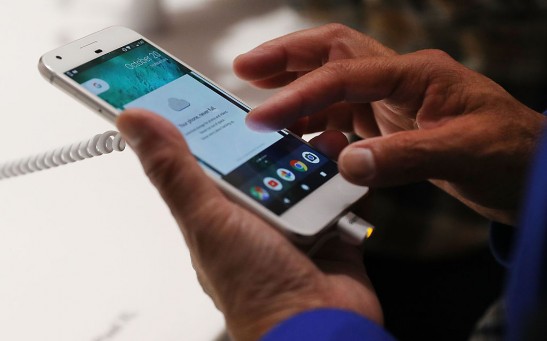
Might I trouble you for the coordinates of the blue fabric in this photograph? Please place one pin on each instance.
(527, 288)
(327, 325)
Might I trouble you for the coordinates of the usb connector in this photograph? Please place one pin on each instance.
(353, 229)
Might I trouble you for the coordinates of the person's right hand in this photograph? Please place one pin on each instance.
(424, 116)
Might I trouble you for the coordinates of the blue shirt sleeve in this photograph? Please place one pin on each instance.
(327, 325)
(527, 288)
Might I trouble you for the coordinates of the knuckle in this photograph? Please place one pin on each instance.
(435, 54)
(438, 60)
(338, 30)
(339, 72)
(334, 73)
(350, 43)
(336, 68)
(444, 74)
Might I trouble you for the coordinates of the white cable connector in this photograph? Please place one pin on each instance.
(354, 229)
(97, 145)
(350, 228)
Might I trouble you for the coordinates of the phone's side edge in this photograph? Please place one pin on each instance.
(45, 71)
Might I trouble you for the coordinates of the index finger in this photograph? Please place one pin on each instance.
(401, 80)
(304, 51)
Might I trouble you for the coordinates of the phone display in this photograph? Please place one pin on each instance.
(275, 169)
(276, 174)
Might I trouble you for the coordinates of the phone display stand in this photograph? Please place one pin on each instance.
(99, 144)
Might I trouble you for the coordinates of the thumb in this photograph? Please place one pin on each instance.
(168, 163)
(401, 158)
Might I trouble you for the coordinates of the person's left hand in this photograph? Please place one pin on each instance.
(253, 273)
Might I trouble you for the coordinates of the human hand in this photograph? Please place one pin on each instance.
(255, 276)
(423, 115)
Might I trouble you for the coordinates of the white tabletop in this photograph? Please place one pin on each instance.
(89, 251)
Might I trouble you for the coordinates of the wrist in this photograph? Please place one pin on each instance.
(253, 323)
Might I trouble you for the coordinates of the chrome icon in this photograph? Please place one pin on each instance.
(299, 166)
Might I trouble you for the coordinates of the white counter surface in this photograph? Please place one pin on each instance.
(89, 251)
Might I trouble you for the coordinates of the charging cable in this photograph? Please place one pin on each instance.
(99, 144)
(350, 228)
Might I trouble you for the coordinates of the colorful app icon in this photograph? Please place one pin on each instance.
(286, 174)
(299, 166)
(96, 86)
(310, 157)
(273, 184)
(260, 193)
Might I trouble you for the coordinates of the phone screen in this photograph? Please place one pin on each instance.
(275, 169)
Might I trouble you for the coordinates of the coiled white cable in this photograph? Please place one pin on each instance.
(99, 144)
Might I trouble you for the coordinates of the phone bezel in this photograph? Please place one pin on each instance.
(333, 198)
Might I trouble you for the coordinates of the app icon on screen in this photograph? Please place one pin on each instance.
(96, 86)
(310, 157)
(260, 193)
(286, 174)
(273, 184)
(299, 166)
(177, 104)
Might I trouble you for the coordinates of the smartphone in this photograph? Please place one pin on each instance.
(277, 175)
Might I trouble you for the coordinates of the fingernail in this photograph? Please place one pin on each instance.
(257, 125)
(359, 163)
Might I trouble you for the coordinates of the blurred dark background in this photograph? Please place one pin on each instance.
(429, 257)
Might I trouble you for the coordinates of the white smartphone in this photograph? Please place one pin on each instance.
(277, 175)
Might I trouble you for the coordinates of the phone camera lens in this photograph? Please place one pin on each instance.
(59, 57)
(98, 51)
